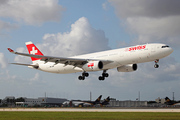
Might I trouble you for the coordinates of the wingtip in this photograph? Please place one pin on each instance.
(10, 50)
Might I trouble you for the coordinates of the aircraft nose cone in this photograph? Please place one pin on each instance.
(171, 50)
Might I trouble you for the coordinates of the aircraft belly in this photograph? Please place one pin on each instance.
(111, 65)
(48, 68)
(59, 68)
(68, 69)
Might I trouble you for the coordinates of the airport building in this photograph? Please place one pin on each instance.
(11, 101)
(160, 100)
(41, 101)
(127, 103)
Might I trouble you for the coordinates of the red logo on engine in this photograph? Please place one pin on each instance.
(90, 64)
(137, 48)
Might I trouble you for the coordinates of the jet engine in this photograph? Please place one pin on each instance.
(127, 68)
(93, 66)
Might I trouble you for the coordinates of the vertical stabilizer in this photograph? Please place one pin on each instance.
(106, 101)
(32, 49)
(98, 99)
(167, 99)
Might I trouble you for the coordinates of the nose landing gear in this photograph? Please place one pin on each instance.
(156, 65)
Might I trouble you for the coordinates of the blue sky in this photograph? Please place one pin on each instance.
(58, 28)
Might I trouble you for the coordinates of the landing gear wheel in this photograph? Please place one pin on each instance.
(101, 78)
(86, 74)
(83, 77)
(105, 75)
(80, 77)
(156, 65)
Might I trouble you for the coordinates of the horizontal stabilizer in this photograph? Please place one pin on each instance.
(35, 66)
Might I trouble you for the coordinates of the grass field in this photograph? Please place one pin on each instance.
(88, 116)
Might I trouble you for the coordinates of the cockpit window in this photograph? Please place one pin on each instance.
(165, 46)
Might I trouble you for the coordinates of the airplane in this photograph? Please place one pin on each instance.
(170, 102)
(124, 59)
(105, 102)
(82, 103)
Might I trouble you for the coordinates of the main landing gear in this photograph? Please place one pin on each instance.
(84, 74)
(156, 65)
(104, 75)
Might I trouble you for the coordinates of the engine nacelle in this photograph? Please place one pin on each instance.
(93, 66)
(127, 68)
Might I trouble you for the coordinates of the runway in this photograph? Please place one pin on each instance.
(87, 110)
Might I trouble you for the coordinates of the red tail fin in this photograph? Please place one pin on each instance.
(33, 50)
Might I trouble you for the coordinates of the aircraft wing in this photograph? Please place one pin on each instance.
(67, 61)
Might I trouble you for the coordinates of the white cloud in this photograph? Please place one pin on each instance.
(7, 26)
(104, 5)
(8, 77)
(31, 11)
(3, 60)
(15, 84)
(22, 59)
(144, 8)
(164, 30)
(35, 78)
(151, 21)
(81, 39)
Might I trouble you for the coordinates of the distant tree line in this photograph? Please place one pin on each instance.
(5, 103)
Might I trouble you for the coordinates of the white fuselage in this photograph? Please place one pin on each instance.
(120, 57)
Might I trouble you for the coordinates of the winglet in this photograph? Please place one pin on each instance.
(10, 50)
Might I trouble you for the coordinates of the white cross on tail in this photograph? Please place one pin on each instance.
(33, 51)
